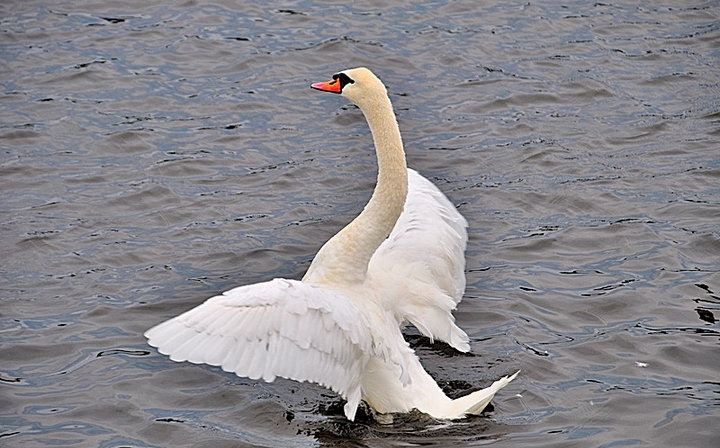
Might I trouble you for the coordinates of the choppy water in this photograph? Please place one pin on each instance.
(153, 155)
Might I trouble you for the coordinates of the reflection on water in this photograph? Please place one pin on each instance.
(154, 155)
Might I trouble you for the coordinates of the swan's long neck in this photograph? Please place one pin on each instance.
(344, 258)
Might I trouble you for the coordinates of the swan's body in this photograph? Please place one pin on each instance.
(401, 260)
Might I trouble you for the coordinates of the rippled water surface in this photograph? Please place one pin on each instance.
(153, 155)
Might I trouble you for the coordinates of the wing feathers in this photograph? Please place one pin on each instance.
(423, 260)
(279, 328)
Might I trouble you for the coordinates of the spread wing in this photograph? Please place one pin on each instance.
(280, 328)
(425, 253)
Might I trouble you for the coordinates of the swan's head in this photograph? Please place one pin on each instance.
(359, 85)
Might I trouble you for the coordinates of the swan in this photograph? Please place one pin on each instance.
(401, 260)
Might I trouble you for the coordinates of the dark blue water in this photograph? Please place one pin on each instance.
(153, 155)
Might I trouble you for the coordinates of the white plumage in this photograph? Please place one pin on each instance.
(425, 256)
(401, 260)
(280, 328)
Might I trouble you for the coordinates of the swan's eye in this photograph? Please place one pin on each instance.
(344, 79)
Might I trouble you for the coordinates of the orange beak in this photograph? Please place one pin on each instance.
(333, 86)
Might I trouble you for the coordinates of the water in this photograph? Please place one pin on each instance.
(153, 155)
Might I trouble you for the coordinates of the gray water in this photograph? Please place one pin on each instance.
(153, 155)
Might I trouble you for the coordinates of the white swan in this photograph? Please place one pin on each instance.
(401, 260)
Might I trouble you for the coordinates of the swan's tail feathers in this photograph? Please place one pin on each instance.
(476, 402)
